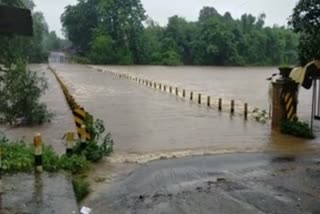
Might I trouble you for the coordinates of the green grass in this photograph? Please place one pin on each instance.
(19, 157)
(81, 187)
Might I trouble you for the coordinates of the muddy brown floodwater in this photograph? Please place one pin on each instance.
(147, 124)
(61, 123)
(243, 84)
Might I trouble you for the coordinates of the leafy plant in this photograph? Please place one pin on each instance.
(20, 92)
(99, 145)
(81, 187)
(260, 115)
(296, 128)
(19, 157)
(74, 164)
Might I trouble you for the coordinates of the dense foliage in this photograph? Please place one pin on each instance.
(20, 88)
(34, 49)
(18, 157)
(113, 32)
(20, 92)
(305, 20)
(296, 128)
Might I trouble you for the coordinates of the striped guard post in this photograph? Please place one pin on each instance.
(38, 152)
(69, 143)
(290, 105)
(80, 116)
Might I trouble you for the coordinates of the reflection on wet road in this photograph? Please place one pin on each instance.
(237, 183)
(148, 124)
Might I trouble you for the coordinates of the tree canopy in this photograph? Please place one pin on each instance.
(119, 32)
(305, 21)
(33, 49)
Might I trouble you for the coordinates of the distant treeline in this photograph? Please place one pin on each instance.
(119, 32)
(32, 49)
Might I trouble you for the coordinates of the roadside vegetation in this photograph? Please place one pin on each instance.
(19, 157)
(20, 88)
(297, 128)
(117, 33)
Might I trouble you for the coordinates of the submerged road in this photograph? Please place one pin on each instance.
(148, 124)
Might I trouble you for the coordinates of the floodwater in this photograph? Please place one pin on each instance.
(61, 123)
(148, 124)
(242, 84)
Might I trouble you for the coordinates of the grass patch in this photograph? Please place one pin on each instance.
(19, 157)
(81, 187)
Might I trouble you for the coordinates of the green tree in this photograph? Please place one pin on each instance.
(79, 23)
(182, 34)
(153, 35)
(305, 21)
(101, 51)
(123, 22)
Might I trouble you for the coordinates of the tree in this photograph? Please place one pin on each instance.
(118, 36)
(101, 51)
(122, 20)
(305, 21)
(181, 33)
(207, 12)
(79, 23)
(21, 88)
(213, 48)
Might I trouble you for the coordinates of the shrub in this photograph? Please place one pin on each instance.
(51, 160)
(81, 188)
(20, 92)
(16, 157)
(19, 157)
(296, 128)
(99, 145)
(74, 164)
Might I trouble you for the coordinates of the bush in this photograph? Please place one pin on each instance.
(81, 188)
(172, 58)
(16, 157)
(80, 60)
(51, 160)
(19, 157)
(20, 94)
(74, 164)
(296, 128)
(99, 145)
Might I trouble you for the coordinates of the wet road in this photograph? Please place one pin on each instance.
(37, 194)
(147, 124)
(61, 123)
(237, 183)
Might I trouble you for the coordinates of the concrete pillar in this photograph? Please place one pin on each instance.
(284, 101)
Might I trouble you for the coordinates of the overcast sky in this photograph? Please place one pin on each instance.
(277, 11)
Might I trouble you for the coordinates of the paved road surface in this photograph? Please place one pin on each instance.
(228, 184)
(32, 194)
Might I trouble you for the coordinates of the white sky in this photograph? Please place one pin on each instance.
(277, 11)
